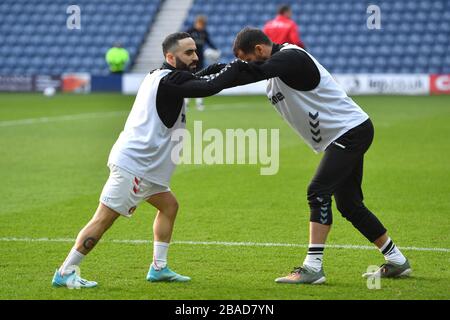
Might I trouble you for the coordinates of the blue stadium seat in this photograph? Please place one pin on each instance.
(335, 31)
(34, 37)
(415, 34)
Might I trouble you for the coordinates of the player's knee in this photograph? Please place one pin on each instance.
(313, 191)
(317, 189)
(317, 197)
(320, 208)
(344, 208)
(172, 206)
(175, 206)
(104, 219)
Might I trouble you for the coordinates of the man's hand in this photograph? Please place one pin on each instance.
(241, 64)
(212, 69)
(227, 71)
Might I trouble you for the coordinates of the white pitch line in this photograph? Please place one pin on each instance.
(96, 115)
(70, 117)
(215, 107)
(226, 244)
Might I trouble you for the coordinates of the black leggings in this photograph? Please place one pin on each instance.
(340, 174)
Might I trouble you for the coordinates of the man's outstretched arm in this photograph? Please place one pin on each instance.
(178, 85)
(187, 85)
(211, 69)
(294, 67)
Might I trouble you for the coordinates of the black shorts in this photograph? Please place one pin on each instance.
(340, 174)
(342, 163)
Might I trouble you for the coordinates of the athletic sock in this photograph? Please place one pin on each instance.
(392, 253)
(160, 254)
(314, 257)
(73, 259)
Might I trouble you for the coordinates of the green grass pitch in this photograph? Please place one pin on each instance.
(52, 172)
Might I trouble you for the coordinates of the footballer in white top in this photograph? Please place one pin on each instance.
(318, 109)
(140, 161)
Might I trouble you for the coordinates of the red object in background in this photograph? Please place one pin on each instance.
(440, 84)
(73, 83)
(281, 30)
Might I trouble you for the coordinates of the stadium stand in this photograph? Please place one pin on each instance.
(414, 35)
(35, 39)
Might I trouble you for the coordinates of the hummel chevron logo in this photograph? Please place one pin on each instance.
(314, 116)
(314, 125)
(323, 213)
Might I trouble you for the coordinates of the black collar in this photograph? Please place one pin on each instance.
(276, 47)
(165, 65)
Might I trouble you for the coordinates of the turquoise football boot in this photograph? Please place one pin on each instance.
(71, 281)
(165, 274)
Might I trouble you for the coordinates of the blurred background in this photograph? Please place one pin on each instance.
(68, 75)
(64, 45)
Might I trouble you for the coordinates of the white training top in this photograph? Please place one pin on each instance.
(321, 115)
(144, 147)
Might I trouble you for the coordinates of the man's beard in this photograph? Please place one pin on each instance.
(180, 65)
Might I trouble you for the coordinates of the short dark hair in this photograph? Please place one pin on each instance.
(171, 41)
(248, 38)
(284, 8)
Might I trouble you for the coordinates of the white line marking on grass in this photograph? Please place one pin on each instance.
(70, 117)
(226, 244)
(96, 115)
(214, 107)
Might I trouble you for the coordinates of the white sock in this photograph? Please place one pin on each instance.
(160, 254)
(392, 253)
(73, 259)
(314, 257)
